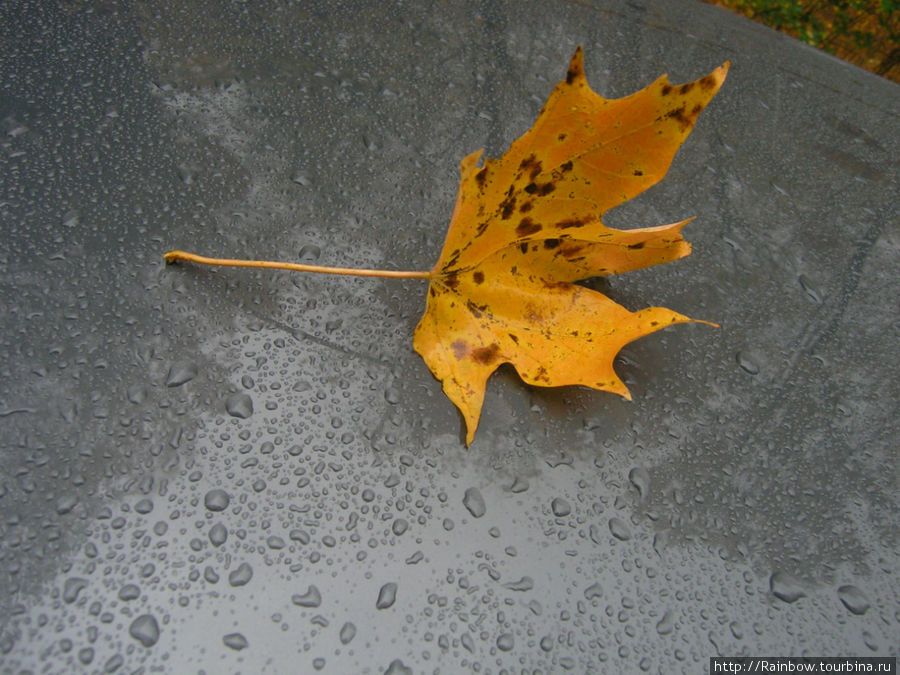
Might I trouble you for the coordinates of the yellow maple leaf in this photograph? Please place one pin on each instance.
(528, 224)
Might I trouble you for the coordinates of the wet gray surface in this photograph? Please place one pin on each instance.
(238, 471)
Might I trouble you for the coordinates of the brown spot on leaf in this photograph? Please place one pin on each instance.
(562, 137)
(666, 90)
(638, 245)
(486, 355)
(477, 310)
(523, 247)
(638, 172)
(527, 227)
(531, 165)
(707, 82)
(508, 205)
(565, 168)
(513, 337)
(685, 88)
(478, 277)
(547, 188)
(571, 222)
(678, 116)
(451, 280)
(459, 348)
(697, 110)
(481, 177)
(571, 74)
(526, 207)
(551, 243)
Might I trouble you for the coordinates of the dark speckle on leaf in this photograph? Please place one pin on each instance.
(666, 90)
(478, 277)
(638, 245)
(481, 177)
(486, 355)
(527, 226)
(685, 88)
(551, 243)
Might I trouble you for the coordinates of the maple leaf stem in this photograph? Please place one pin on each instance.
(175, 256)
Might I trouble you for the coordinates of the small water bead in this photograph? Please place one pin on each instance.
(235, 641)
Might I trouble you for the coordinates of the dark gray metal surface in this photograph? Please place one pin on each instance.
(225, 471)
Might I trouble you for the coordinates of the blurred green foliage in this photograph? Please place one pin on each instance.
(864, 32)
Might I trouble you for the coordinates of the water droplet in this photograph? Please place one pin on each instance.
(181, 372)
(65, 504)
(786, 587)
(665, 624)
(144, 506)
(523, 584)
(505, 642)
(619, 529)
(216, 500)
(218, 534)
(348, 632)
(398, 668)
(312, 598)
(145, 630)
(640, 478)
(747, 363)
(386, 596)
(854, 599)
(519, 485)
(236, 641)
(560, 507)
(474, 502)
(239, 405)
(595, 590)
(399, 526)
(241, 575)
(310, 253)
(129, 592)
(809, 287)
(72, 588)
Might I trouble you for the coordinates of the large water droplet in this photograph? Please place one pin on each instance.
(218, 534)
(239, 405)
(386, 596)
(595, 590)
(145, 630)
(312, 597)
(786, 587)
(216, 500)
(505, 642)
(640, 478)
(241, 575)
(348, 632)
(72, 588)
(474, 502)
(560, 507)
(854, 599)
(181, 372)
(619, 529)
